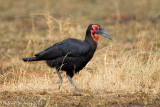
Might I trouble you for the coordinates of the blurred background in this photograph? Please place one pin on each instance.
(51, 20)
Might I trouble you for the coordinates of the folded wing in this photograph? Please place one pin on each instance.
(70, 47)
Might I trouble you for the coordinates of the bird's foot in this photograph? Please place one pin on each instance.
(60, 86)
(58, 82)
(77, 90)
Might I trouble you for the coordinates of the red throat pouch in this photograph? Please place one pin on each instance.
(94, 36)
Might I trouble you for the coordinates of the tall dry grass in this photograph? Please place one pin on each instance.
(117, 67)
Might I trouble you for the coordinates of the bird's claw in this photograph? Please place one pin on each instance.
(77, 90)
(60, 87)
(58, 82)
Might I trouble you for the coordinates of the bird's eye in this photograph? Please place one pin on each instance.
(96, 28)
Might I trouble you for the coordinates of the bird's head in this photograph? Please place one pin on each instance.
(94, 30)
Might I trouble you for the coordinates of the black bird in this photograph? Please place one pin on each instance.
(71, 55)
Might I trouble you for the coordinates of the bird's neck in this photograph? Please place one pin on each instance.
(89, 40)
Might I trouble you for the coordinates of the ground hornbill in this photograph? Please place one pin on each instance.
(71, 55)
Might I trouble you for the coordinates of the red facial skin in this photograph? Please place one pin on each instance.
(95, 36)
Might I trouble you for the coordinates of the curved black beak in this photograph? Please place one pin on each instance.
(102, 32)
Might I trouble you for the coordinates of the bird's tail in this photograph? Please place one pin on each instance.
(30, 59)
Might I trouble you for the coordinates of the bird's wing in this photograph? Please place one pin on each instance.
(70, 47)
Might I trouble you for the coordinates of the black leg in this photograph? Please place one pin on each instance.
(70, 79)
(60, 78)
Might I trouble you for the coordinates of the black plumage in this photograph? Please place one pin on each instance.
(71, 55)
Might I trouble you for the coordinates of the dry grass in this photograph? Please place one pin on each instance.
(109, 71)
(129, 64)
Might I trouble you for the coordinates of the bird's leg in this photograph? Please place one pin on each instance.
(70, 79)
(60, 78)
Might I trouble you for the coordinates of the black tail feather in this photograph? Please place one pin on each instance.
(30, 59)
